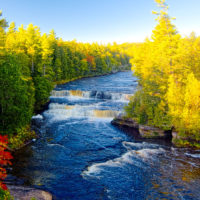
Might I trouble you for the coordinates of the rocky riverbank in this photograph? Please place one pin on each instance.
(28, 193)
(15, 185)
(142, 131)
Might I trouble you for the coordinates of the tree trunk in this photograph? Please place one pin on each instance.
(44, 67)
(32, 67)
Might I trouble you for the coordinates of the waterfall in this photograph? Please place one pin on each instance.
(77, 111)
(78, 93)
(91, 95)
(105, 113)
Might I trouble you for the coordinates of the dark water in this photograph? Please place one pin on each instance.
(82, 156)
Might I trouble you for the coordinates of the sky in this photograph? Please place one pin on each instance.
(100, 21)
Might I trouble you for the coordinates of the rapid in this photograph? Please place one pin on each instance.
(81, 156)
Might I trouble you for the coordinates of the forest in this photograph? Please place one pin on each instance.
(168, 69)
(32, 63)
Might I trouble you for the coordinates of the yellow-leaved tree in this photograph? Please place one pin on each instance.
(153, 62)
(168, 69)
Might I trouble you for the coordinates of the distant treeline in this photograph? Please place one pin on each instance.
(31, 62)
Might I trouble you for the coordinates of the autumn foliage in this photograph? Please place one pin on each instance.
(32, 62)
(5, 158)
(168, 70)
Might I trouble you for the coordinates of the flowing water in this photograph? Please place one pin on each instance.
(81, 156)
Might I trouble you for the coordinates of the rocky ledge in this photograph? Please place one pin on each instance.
(125, 122)
(142, 131)
(27, 193)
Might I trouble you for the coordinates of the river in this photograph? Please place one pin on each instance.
(81, 156)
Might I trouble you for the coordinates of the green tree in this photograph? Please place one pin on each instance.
(16, 96)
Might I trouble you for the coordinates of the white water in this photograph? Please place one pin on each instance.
(90, 94)
(130, 158)
(37, 116)
(193, 155)
(63, 111)
(79, 140)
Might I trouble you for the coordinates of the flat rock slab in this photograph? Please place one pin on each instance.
(27, 193)
(120, 121)
(151, 132)
(145, 132)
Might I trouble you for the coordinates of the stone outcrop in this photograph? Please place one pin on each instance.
(145, 132)
(126, 122)
(27, 193)
(153, 132)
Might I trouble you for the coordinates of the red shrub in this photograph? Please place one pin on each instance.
(5, 158)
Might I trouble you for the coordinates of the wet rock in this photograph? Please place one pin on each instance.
(37, 120)
(93, 93)
(122, 121)
(146, 132)
(27, 193)
(99, 95)
(153, 132)
(107, 96)
(36, 124)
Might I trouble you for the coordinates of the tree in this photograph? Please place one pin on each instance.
(32, 43)
(46, 52)
(30, 63)
(167, 67)
(11, 38)
(43, 88)
(16, 96)
(153, 62)
(3, 25)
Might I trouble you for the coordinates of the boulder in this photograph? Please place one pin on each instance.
(154, 132)
(27, 193)
(126, 122)
(145, 132)
(99, 95)
(107, 95)
(93, 93)
(37, 120)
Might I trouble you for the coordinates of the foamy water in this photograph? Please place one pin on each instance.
(81, 156)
